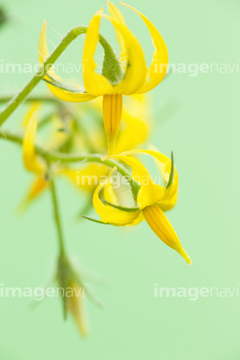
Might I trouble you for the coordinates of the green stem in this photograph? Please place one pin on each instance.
(110, 59)
(57, 218)
(51, 156)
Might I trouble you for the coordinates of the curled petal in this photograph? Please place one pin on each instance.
(27, 117)
(95, 84)
(158, 67)
(58, 92)
(162, 227)
(117, 15)
(30, 158)
(109, 214)
(168, 202)
(149, 193)
(43, 52)
(74, 97)
(109, 194)
(167, 198)
(136, 72)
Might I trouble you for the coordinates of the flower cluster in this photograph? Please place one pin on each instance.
(90, 144)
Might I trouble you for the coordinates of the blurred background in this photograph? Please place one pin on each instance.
(196, 116)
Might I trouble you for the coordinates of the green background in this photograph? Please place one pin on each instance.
(204, 134)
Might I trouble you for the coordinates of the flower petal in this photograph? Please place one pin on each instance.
(109, 194)
(169, 197)
(30, 158)
(117, 15)
(158, 67)
(131, 125)
(37, 187)
(136, 72)
(149, 192)
(162, 227)
(34, 107)
(95, 84)
(86, 178)
(59, 93)
(109, 214)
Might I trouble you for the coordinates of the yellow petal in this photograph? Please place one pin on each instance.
(136, 72)
(59, 93)
(167, 197)
(137, 220)
(112, 114)
(117, 15)
(95, 84)
(37, 188)
(43, 52)
(34, 107)
(76, 306)
(149, 192)
(30, 159)
(109, 194)
(70, 96)
(131, 125)
(168, 202)
(109, 214)
(158, 67)
(86, 178)
(162, 227)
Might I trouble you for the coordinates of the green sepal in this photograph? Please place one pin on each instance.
(95, 220)
(63, 275)
(171, 176)
(67, 274)
(127, 209)
(63, 86)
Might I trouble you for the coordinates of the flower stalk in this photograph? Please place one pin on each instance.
(110, 59)
(73, 158)
(57, 217)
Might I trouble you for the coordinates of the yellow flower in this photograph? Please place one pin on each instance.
(152, 199)
(137, 78)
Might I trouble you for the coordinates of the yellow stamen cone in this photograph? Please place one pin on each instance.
(162, 227)
(112, 114)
